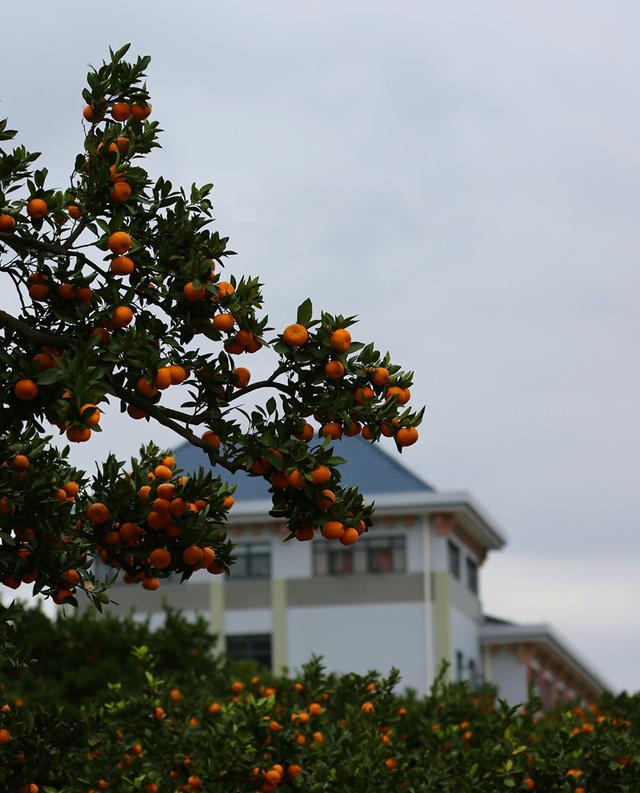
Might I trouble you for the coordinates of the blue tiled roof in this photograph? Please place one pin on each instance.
(368, 466)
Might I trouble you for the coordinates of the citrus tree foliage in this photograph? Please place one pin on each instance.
(125, 291)
(143, 719)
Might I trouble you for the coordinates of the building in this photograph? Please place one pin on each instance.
(407, 594)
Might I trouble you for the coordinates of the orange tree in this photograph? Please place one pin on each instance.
(122, 293)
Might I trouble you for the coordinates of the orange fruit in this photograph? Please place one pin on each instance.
(74, 211)
(170, 462)
(332, 430)
(399, 393)
(120, 111)
(84, 294)
(349, 537)
(102, 334)
(66, 292)
(38, 292)
(37, 208)
(192, 293)
(305, 533)
(295, 335)
(122, 316)
(379, 376)
(228, 501)
(129, 532)
(321, 474)
(192, 555)
(334, 370)
(333, 530)
(364, 395)
(294, 770)
(151, 584)
(5, 736)
(160, 558)
(166, 490)
(211, 438)
(177, 374)
(140, 110)
(241, 377)
(340, 340)
(25, 389)
(71, 489)
(121, 145)
(223, 322)
(407, 436)
(326, 499)
(117, 173)
(353, 429)
(20, 463)
(178, 507)
(98, 513)
(162, 472)
(136, 413)
(208, 557)
(368, 432)
(7, 223)
(121, 192)
(225, 289)
(144, 387)
(93, 418)
(163, 377)
(296, 479)
(119, 242)
(367, 707)
(78, 434)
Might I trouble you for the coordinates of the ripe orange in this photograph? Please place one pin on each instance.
(225, 289)
(162, 472)
(66, 292)
(102, 334)
(353, 429)
(98, 513)
(326, 500)
(340, 340)
(120, 111)
(7, 223)
(364, 395)
(295, 335)
(177, 374)
(208, 557)
(25, 389)
(166, 490)
(144, 387)
(192, 293)
(170, 462)
(117, 173)
(211, 438)
(529, 784)
(349, 537)
(5, 736)
(74, 211)
(163, 377)
(150, 583)
(228, 501)
(368, 432)
(78, 434)
(321, 474)
(71, 489)
(294, 770)
(305, 533)
(367, 707)
(121, 192)
(306, 432)
(401, 394)
(136, 413)
(334, 370)
(332, 430)
(121, 265)
(296, 479)
(140, 111)
(119, 242)
(37, 208)
(160, 558)
(92, 418)
(121, 145)
(407, 436)
(38, 292)
(122, 316)
(379, 376)
(241, 377)
(333, 530)
(20, 463)
(223, 322)
(129, 532)
(84, 294)
(192, 555)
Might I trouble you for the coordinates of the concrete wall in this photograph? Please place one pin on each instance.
(360, 638)
(504, 670)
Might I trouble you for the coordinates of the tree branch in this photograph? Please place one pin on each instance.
(160, 415)
(37, 337)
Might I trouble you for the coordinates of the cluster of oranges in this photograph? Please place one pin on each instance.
(380, 387)
(151, 545)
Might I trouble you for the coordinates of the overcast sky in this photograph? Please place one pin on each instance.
(466, 178)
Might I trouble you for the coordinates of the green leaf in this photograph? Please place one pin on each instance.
(305, 312)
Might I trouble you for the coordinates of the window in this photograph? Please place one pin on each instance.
(454, 559)
(472, 575)
(373, 555)
(459, 665)
(473, 673)
(252, 647)
(253, 560)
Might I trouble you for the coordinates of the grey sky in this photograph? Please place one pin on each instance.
(462, 175)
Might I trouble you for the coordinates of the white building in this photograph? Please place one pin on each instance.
(407, 594)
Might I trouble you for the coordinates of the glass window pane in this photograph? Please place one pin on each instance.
(380, 560)
(260, 565)
(320, 561)
(239, 569)
(399, 562)
(340, 562)
(359, 554)
(454, 559)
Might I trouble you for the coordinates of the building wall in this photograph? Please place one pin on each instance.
(504, 670)
(361, 637)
